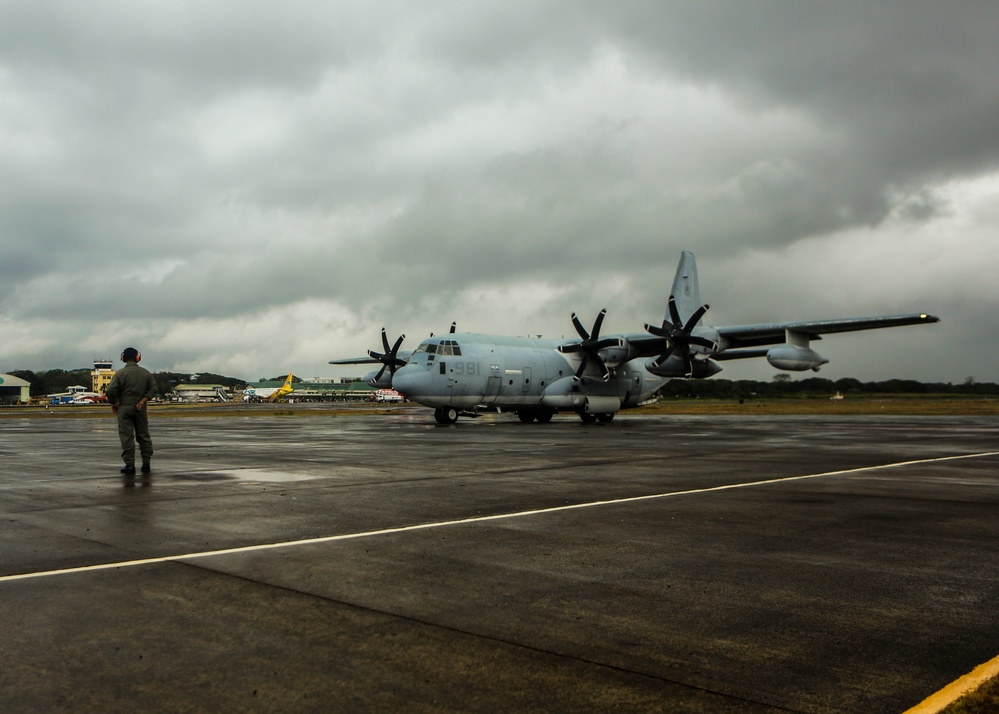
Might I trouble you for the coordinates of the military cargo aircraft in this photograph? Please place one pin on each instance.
(596, 376)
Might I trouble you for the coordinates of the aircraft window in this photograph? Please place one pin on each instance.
(432, 349)
(444, 349)
(418, 350)
(457, 349)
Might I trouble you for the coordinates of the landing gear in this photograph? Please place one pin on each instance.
(543, 416)
(446, 415)
(589, 418)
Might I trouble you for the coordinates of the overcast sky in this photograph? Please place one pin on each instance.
(250, 188)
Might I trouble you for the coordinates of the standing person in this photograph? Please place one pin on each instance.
(130, 390)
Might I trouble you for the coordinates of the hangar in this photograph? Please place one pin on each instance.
(14, 390)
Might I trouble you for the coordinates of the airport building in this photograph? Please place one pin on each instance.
(100, 378)
(14, 390)
(201, 393)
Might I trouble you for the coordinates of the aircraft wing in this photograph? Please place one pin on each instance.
(739, 340)
(367, 359)
(355, 360)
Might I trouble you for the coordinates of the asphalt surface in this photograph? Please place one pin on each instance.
(681, 564)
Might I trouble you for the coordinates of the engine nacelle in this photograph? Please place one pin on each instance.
(675, 367)
(794, 358)
(384, 383)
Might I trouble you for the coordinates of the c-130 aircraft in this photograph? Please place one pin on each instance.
(595, 376)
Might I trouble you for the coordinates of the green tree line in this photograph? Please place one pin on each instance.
(818, 388)
(54, 381)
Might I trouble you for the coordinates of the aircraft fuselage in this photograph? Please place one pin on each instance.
(466, 371)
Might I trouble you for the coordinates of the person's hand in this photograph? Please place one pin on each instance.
(114, 408)
(141, 404)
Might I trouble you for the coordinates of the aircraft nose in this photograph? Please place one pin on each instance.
(411, 381)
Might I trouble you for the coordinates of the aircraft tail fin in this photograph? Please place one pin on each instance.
(686, 291)
(285, 389)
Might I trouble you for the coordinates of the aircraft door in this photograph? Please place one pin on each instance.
(493, 384)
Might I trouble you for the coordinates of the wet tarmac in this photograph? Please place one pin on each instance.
(385, 563)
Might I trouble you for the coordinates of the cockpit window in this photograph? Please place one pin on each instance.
(428, 348)
(448, 347)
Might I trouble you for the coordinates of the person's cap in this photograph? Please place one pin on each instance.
(128, 354)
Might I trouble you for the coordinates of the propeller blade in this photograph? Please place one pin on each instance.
(595, 334)
(658, 331)
(661, 359)
(579, 327)
(385, 341)
(604, 369)
(695, 318)
(674, 312)
(582, 365)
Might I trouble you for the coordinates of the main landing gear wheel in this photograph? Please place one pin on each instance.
(446, 415)
(543, 416)
(589, 418)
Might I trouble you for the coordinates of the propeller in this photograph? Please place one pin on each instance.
(591, 345)
(388, 358)
(679, 335)
(454, 327)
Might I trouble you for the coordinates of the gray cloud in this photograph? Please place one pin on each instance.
(187, 173)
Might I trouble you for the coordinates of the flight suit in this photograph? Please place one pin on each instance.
(130, 384)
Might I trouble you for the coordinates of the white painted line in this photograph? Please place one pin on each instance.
(476, 519)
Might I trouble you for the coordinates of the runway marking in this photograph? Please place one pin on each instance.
(957, 689)
(475, 519)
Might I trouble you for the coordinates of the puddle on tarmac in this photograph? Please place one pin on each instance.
(268, 475)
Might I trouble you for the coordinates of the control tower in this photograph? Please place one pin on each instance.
(100, 378)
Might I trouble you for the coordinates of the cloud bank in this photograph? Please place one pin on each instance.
(247, 188)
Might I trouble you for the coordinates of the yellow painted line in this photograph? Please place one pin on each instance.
(474, 519)
(958, 688)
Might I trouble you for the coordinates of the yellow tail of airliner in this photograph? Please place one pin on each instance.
(284, 391)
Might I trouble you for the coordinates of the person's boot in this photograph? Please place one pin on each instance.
(128, 469)
(146, 468)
